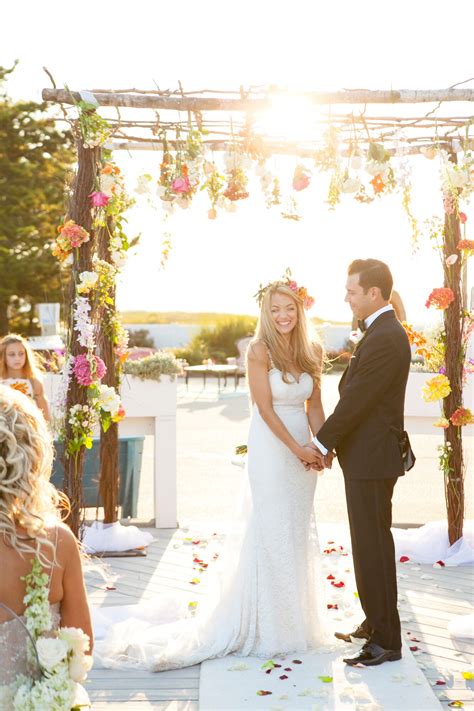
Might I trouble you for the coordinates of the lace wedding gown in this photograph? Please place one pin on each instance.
(270, 598)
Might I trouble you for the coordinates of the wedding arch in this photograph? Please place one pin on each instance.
(365, 157)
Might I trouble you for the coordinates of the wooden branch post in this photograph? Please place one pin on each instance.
(109, 441)
(81, 214)
(454, 361)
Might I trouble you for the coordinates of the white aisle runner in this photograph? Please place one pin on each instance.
(320, 682)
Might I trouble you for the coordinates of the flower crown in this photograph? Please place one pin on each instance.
(300, 291)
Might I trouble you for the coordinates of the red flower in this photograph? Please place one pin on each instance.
(462, 218)
(340, 584)
(404, 559)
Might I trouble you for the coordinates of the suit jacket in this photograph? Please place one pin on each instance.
(364, 426)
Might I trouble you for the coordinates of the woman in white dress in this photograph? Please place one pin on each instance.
(30, 527)
(271, 599)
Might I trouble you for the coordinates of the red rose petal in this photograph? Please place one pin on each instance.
(414, 649)
(330, 543)
(110, 587)
(441, 563)
(330, 577)
(440, 682)
(268, 671)
(277, 666)
(283, 676)
(262, 692)
(297, 661)
(340, 584)
(288, 669)
(404, 559)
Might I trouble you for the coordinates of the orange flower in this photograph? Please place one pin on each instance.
(466, 245)
(378, 184)
(440, 298)
(462, 416)
(21, 387)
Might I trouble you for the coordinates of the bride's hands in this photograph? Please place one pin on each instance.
(311, 456)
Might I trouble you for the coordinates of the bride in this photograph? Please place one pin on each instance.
(270, 599)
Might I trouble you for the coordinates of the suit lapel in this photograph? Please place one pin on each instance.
(378, 320)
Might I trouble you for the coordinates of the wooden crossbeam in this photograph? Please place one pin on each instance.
(208, 103)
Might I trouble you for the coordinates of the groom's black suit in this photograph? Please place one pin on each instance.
(363, 431)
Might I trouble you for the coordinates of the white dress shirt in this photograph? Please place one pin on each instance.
(368, 322)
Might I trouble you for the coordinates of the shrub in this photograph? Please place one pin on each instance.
(153, 367)
(140, 339)
(217, 342)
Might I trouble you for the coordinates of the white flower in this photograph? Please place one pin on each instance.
(109, 400)
(143, 184)
(183, 202)
(51, 651)
(107, 184)
(76, 639)
(350, 185)
(374, 168)
(88, 281)
(79, 665)
(118, 258)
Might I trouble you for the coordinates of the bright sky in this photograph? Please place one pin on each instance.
(218, 265)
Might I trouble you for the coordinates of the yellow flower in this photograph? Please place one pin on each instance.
(436, 388)
(442, 422)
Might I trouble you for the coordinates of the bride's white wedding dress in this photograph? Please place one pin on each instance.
(270, 598)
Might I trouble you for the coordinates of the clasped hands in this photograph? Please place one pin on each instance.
(313, 458)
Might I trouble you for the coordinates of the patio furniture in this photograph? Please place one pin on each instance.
(215, 371)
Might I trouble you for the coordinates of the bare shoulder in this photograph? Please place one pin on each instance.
(37, 386)
(257, 352)
(67, 541)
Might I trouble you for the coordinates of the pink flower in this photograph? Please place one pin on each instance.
(181, 185)
(301, 178)
(462, 218)
(308, 302)
(88, 369)
(293, 285)
(99, 199)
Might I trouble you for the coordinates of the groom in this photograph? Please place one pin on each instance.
(363, 431)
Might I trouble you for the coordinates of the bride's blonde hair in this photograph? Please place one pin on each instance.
(302, 339)
(27, 498)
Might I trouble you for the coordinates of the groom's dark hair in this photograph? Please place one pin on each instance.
(372, 272)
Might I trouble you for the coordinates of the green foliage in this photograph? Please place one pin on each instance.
(218, 342)
(35, 158)
(140, 339)
(153, 367)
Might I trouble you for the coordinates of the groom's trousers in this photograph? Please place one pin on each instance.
(369, 506)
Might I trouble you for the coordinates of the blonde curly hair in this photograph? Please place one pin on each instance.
(27, 498)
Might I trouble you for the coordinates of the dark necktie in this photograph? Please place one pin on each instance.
(361, 325)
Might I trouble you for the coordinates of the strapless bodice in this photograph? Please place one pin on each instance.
(292, 395)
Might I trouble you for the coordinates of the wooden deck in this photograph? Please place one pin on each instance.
(426, 606)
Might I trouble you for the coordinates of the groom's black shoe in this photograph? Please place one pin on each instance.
(359, 633)
(372, 654)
